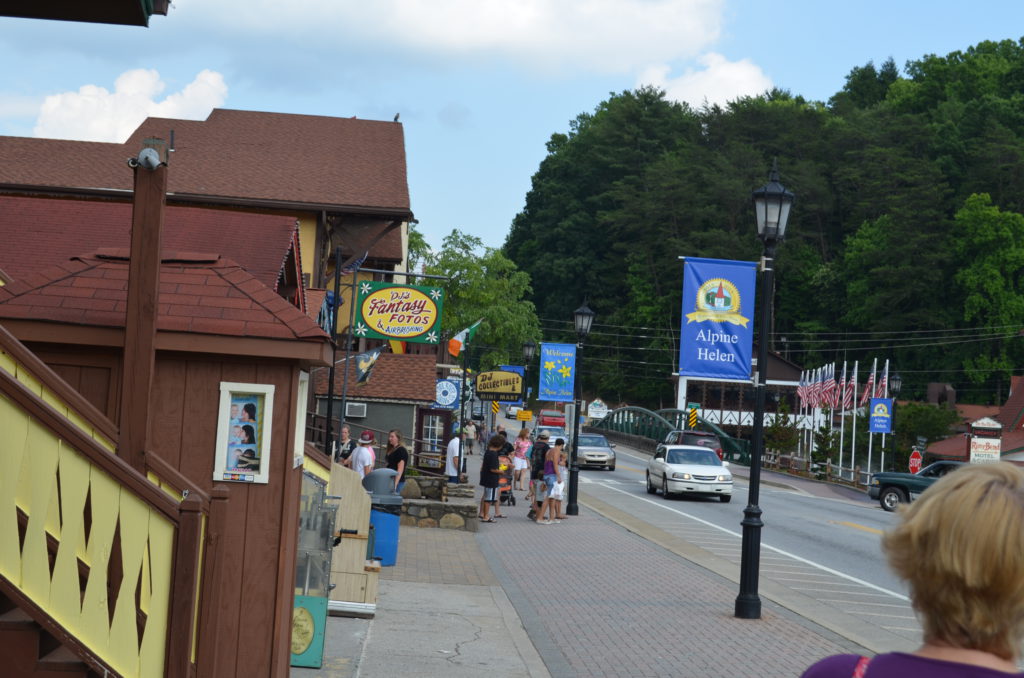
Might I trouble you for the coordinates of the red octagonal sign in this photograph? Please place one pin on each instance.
(915, 461)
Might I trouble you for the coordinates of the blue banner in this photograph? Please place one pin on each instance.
(557, 371)
(518, 369)
(880, 420)
(717, 332)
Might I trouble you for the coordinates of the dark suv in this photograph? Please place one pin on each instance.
(691, 437)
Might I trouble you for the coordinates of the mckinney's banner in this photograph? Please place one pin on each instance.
(400, 312)
(557, 371)
(718, 305)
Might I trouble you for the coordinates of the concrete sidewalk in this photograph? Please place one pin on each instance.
(591, 596)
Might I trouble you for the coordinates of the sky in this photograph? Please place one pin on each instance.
(480, 85)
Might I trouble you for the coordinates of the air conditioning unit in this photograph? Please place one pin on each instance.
(355, 410)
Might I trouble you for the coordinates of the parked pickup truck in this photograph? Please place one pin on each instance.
(551, 418)
(892, 489)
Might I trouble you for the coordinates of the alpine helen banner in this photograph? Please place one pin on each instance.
(717, 333)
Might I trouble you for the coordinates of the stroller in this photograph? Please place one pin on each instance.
(505, 494)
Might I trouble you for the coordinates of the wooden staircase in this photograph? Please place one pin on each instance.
(28, 651)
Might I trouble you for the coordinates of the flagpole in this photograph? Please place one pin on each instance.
(842, 418)
(348, 343)
(885, 394)
(871, 438)
(853, 424)
(328, 433)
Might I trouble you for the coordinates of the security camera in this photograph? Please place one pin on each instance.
(149, 158)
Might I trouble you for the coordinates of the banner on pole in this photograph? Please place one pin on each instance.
(557, 372)
(521, 371)
(881, 416)
(716, 335)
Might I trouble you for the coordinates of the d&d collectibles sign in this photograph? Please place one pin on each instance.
(499, 385)
(399, 312)
(716, 334)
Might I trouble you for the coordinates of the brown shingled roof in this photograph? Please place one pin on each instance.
(199, 293)
(244, 157)
(394, 377)
(38, 233)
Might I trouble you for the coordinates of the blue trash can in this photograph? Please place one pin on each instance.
(385, 512)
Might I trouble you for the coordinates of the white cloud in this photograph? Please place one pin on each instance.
(606, 36)
(95, 114)
(719, 82)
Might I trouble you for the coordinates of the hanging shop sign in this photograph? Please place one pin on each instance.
(399, 312)
(500, 385)
(557, 373)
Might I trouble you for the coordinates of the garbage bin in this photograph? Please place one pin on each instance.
(385, 510)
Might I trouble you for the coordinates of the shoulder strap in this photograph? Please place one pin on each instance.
(862, 667)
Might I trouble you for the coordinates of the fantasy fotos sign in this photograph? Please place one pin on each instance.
(716, 336)
(399, 312)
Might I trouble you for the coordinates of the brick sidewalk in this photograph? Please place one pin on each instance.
(613, 604)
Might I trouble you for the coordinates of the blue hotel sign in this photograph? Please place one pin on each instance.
(717, 335)
(880, 420)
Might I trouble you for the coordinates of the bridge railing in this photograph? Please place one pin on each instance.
(644, 429)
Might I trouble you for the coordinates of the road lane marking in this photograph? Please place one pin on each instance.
(819, 566)
(844, 523)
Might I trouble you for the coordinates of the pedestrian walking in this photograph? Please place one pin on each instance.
(520, 464)
(960, 548)
(397, 457)
(537, 454)
(490, 478)
(452, 466)
(470, 429)
(552, 475)
(558, 496)
(344, 446)
(362, 458)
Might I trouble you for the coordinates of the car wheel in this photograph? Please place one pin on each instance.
(725, 498)
(891, 497)
(612, 467)
(664, 486)
(650, 488)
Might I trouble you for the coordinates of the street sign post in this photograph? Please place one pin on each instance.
(915, 461)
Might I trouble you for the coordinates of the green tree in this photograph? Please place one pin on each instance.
(781, 433)
(485, 285)
(919, 420)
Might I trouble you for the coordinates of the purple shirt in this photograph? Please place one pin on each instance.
(899, 665)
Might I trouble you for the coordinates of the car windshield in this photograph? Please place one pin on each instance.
(702, 440)
(698, 457)
(593, 441)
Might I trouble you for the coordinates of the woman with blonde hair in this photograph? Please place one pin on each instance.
(397, 457)
(960, 548)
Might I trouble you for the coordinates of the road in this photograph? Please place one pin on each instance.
(820, 548)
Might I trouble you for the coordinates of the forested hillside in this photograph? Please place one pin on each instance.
(906, 241)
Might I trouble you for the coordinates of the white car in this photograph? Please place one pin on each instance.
(689, 469)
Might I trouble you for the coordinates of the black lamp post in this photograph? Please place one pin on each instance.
(529, 350)
(771, 206)
(583, 318)
(895, 384)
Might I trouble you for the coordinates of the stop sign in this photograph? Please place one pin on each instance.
(915, 461)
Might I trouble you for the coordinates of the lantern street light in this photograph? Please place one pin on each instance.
(771, 207)
(529, 350)
(583, 318)
(895, 384)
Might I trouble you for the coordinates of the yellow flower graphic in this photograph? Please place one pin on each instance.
(549, 365)
(565, 371)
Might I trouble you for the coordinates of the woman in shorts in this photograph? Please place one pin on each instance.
(520, 464)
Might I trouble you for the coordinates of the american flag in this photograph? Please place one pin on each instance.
(883, 386)
(829, 390)
(801, 390)
(869, 388)
(840, 399)
(354, 266)
(851, 390)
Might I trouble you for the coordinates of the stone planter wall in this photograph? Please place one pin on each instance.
(430, 502)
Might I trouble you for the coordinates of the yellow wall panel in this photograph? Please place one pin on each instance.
(7, 364)
(161, 553)
(314, 467)
(14, 425)
(104, 499)
(133, 520)
(35, 562)
(30, 382)
(65, 593)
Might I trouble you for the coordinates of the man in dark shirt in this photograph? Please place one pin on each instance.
(490, 477)
(537, 454)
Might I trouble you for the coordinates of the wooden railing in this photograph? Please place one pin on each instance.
(105, 560)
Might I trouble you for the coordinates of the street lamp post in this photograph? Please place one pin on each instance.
(583, 318)
(529, 350)
(895, 384)
(771, 207)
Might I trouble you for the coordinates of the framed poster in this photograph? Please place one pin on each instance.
(243, 433)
